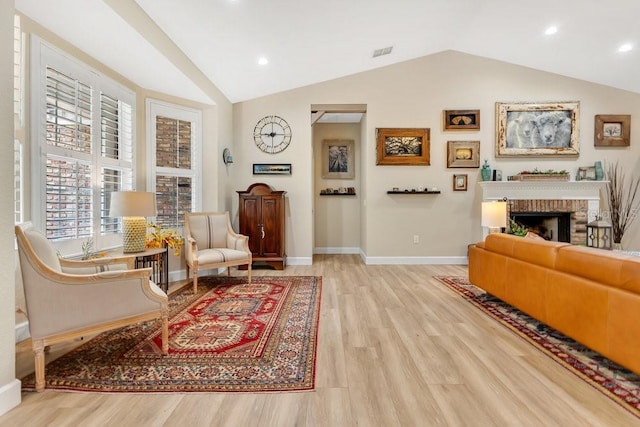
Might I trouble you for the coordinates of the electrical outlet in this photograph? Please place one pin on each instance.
(416, 239)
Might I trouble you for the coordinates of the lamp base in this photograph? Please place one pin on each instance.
(134, 233)
(494, 230)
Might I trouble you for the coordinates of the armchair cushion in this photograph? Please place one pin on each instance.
(209, 231)
(43, 248)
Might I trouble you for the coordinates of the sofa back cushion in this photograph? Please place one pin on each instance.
(602, 266)
(539, 252)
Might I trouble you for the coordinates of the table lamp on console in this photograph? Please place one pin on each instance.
(494, 215)
(133, 207)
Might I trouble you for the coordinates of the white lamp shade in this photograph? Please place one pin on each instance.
(494, 214)
(132, 203)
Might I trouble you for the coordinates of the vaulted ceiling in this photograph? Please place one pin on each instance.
(180, 47)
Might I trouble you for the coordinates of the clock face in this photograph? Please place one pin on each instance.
(272, 134)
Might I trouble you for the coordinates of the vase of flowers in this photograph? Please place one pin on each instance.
(158, 237)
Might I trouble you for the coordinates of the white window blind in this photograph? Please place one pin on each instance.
(86, 150)
(174, 146)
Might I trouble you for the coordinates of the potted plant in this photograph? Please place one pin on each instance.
(622, 200)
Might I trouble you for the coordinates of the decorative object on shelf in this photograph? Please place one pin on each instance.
(455, 120)
(612, 130)
(460, 182)
(586, 173)
(622, 201)
(272, 169)
(432, 191)
(485, 172)
(599, 234)
(403, 146)
(158, 237)
(133, 207)
(598, 170)
(463, 154)
(537, 129)
(497, 175)
(272, 134)
(494, 215)
(227, 158)
(342, 191)
(338, 159)
(538, 175)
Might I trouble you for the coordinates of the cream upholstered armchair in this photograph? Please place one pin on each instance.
(62, 305)
(212, 243)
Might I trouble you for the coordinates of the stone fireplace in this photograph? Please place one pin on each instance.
(557, 210)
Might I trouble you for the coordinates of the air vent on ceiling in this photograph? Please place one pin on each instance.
(383, 51)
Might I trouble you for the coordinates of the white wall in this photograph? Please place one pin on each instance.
(336, 218)
(9, 385)
(414, 94)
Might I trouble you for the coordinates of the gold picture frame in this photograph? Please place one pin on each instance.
(537, 129)
(456, 120)
(403, 146)
(612, 130)
(460, 182)
(463, 154)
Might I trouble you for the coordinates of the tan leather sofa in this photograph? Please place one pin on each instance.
(591, 295)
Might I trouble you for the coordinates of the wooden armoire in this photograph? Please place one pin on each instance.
(261, 216)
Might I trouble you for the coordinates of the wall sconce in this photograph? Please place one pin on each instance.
(133, 207)
(599, 234)
(227, 158)
(494, 215)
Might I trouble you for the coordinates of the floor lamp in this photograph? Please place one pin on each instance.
(494, 215)
(133, 207)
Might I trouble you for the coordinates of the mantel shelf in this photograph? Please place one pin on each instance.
(413, 192)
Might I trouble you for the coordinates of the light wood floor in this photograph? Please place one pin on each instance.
(396, 348)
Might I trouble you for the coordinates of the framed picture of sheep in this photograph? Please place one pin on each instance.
(537, 129)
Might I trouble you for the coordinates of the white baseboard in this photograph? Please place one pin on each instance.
(336, 250)
(299, 260)
(462, 260)
(10, 396)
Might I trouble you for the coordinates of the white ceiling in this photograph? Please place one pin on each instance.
(308, 41)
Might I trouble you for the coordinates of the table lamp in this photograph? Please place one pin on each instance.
(494, 215)
(133, 207)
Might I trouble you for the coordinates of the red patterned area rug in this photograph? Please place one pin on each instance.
(616, 382)
(230, 337)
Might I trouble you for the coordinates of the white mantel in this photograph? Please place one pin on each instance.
(543, 190)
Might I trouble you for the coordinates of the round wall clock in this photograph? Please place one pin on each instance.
(272, 134)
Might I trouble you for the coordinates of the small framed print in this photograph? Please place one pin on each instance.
(455, 120)
(612, 130)
(497, 175)
(463, 154)
(460, 182)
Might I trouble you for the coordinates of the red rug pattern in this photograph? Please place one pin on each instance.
(231, 336)
(613, 380)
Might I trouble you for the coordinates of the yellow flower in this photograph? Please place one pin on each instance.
(160, 238)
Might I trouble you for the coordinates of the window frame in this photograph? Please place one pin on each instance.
(155, 108)
(44, 55)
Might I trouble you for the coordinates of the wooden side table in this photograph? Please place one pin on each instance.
(156, 258)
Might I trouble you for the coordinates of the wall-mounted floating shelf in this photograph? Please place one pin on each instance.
(413, 192)
(337, 194)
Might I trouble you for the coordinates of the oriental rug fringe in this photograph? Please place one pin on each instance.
(230, 337)
(616, 382)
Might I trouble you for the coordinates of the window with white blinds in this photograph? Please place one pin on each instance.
(174, 147)
(86, 148)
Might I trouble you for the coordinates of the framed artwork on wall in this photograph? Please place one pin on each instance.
(272, 169)
(402, 146)
(612, 130)
(537, 129)
(463, 154)
(455, 120)
(460, 182)
(338, 159)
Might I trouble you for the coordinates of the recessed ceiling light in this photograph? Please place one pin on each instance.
(263, 61)
(551, 30)
(625, 47)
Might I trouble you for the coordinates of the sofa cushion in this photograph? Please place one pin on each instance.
(599, 265)
(540, 252)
